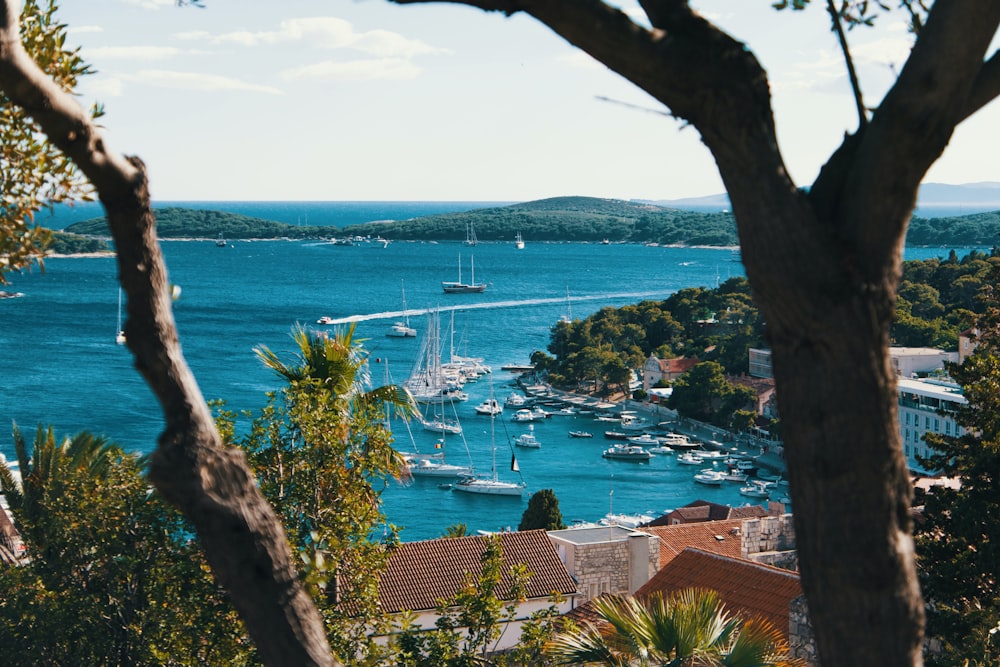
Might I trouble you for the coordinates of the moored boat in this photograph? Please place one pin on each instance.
(581, 434)
(709, 477)
(627, 453)
(528, 439)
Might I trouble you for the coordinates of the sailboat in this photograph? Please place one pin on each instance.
(428, 382)
(221, 241)
(493, 485)
(120, 336)
(402, 329)
(519, 242)
(470, 234)
(458, 287)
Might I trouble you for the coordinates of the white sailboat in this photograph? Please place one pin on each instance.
(428, 382)
(519, 242)
(458, 287)
(120, 336)
(470, 234)
(493, 485)
(402, 329)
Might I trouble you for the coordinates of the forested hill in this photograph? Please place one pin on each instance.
(556, 219)
(568, 219)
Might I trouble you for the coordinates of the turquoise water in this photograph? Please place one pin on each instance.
(60, 364)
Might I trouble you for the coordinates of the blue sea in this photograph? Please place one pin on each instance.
(60, 365)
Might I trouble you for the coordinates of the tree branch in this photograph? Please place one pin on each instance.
(986, 87)
(838, 28)
(239, 531)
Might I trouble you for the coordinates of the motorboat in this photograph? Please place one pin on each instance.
(326, 319)
(627, 453)
(489, 407)
(755, 490)
(734, 475)
(634, 424)
(677, 441)
(528, 439)
(615, 435)
(581, 434)
(712, 455)
(625, 520)
(517, 401)
(689, 459)
(429, 467)
(644, 440)
(709, 477)
(523, 415)
(659, 449)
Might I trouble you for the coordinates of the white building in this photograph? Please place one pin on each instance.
(926, 406)
(912, 361)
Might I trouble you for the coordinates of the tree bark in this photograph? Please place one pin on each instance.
(242, 538)
(824, 266)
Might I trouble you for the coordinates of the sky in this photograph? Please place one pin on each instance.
(365, 100)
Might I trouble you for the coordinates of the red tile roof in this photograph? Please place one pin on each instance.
(702, 510)
(712, 536)
(750, 588)
(421, 573)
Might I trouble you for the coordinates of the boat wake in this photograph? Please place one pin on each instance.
(394, 314)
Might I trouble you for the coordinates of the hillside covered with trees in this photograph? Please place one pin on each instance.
(581, 219)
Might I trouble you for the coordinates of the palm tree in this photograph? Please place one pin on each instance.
(690, 628)
(45, 470)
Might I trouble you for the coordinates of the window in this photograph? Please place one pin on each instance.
(947, 428)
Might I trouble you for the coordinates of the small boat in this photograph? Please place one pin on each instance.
(492, 485)
(120, 336)
(627, 453)
(677, 441)
(755, 490)
(625, 520)
(517, 401)
(565, 411)
(712, 455)
(489, 407)
(326, 319)
(744, 466)
(440, 425)
(734, 475)
(528, 439)
(458, 287)
(635, 424)
(402, 329)
(220, 242)
(709, 477)
(581, 434)
(523, 415)
(615, 435)
(644, 440)
(470, 234)
(429, 467)
(519, 242)
(689, 459)
(659, 449)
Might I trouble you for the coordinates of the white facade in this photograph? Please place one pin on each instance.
(926, 406)
(911, 361)
(760, 363)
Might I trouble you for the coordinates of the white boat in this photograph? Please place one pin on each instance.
(676, 441)
(689, 459)
(490, 406)
(659, 449)
(712, 455)
(429, 467)
(458, 287)
(634, 424)
(221, 241)
(625, 520)
(470, 234)
(517, 401)
(627, 453)
(709, 477)
(565, 411)
(428, 382)
(492, 485)
(402, 329)
(743, 465)
(439, 424)
(581, 434)
(523, 415)
(519, 242)
(755, 490)
(120, 336)
(734, 475)
(644, 440)
(326, 319)
(528, 439)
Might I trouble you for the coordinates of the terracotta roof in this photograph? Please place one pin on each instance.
(420, 573)
(702, 510)
(750, 588)
(677, 365)
(716, 537)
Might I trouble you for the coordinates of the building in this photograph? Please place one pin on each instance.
(760, 363)
(702, 510)
(420, 574)
(926, 406)
(607, 559)
(911, 362)
(657, 370)
(967, 342)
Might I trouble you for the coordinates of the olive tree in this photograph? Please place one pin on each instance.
(824, 262)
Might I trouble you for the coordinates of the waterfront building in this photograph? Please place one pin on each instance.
(926, 406)
(657, 370)
(919, 361)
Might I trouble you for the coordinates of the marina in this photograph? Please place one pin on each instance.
(65, 368)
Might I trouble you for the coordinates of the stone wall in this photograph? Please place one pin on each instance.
(800, 635)
(770, 540)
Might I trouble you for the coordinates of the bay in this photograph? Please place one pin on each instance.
(60, 365)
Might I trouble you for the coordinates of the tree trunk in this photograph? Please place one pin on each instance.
(242, 538)
(824, 268)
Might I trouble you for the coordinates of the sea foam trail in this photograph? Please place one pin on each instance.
(413, 312)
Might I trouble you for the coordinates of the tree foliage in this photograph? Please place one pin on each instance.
(322, 453)
(33, 172)
(114, 577)
(542, 512)
(958, 535)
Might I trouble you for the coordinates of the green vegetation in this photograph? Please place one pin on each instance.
(174, 222)
(542, 512)
(114, 577)
(581, 219)
(690, 627)
(65, 243)
(704, 393)
(958, 535)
